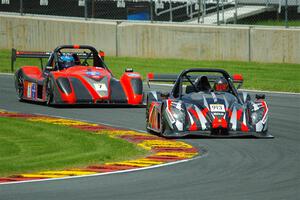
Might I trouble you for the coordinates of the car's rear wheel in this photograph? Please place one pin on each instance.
(19, 84)
(49, 92)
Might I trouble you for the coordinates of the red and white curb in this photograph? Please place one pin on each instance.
(162, 151)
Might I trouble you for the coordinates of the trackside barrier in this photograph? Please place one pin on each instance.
(198, 42)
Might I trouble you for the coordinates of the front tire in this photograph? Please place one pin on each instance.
(19, 85)
(49, 92)
(162, 122)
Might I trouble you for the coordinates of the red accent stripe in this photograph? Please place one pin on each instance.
(194, 113)
(239, 114)
(204, 112)
(265, 107)
(219, 123)
(224, 123)
(193, 127)
(229, 111)
(244, 127)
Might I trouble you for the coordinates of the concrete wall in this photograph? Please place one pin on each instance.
(182, 41)
(154, 40)
(275, 45)
(32, 33)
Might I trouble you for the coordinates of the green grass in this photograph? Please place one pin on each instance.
(277, 23)
(276, 77)
(30, 147)
(263, 76)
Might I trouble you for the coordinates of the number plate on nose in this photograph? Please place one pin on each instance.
(217, 108)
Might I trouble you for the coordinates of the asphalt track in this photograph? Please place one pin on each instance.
(232, 169)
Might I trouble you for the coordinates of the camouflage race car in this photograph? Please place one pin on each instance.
(205, 102)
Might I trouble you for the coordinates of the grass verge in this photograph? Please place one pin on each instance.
(262, 76)
(30, 146)
(277, 23)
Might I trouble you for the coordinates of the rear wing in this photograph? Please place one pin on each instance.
(27, 54)
(151, 77)
(41, 54)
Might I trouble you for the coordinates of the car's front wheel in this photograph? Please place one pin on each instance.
(19, 84)
(162, 122)
(49, 92)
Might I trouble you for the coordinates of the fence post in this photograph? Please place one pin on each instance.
(218, 13)
(199, 10)
(203, 11)
(21, 7)
(286, 15)
(93, 9)
(171, 11)
(223, 17)
(235, 11)
(85, 9)
(151, 11)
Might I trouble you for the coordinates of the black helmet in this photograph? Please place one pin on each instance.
(221, 85)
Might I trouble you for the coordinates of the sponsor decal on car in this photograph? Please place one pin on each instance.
(31, 90)
(93, 73)
(133, 75)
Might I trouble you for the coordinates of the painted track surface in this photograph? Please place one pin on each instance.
(233, 168)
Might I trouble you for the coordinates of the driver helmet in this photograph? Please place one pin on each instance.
(221, 85)
(66, 61)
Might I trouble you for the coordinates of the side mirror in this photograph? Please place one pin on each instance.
(260, 96)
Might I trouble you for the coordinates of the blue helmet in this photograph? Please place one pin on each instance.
(66, 61)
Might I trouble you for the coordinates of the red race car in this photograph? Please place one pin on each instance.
(75, 74)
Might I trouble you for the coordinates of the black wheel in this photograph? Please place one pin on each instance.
(147, 121)
(162, 122)
(19, 84)
(49, 92)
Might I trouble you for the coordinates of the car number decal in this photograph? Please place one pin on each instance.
(100, 86)
(217, 108)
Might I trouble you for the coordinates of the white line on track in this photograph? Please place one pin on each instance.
(108, 173)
